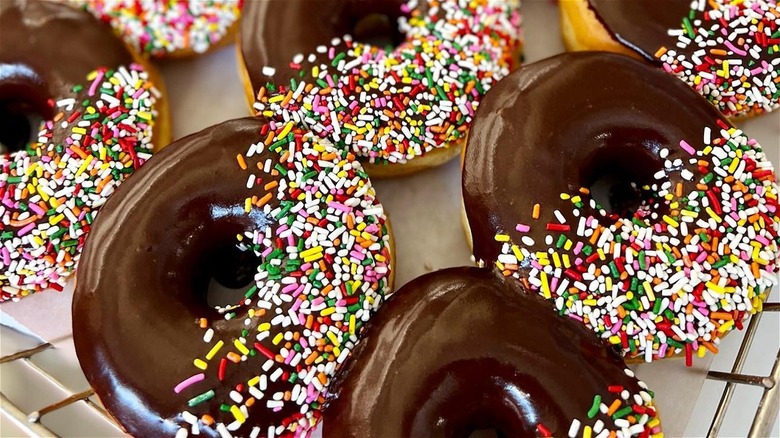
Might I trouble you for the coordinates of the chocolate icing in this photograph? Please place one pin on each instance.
(642, 25)
(144, 275)
(301, 26)
(559, 124)
(462, 349)
(46, 48)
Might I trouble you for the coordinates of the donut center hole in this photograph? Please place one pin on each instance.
(620, 180)
(231, 273)
(19, 125)
(379, 30)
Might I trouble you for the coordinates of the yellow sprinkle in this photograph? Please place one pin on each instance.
(278, 338)
(328, 311)
(264, 327)
(671, 221)
(313, 257)
(545, 286)
(713, 214)
(352, 324)
(586, 433)
(214, 350)
(200, 364)
(237, 414)
(311, 251)
(333, 338)
(502, 238)
(84, 165)
(286, 130)
(716, 288)
(648, 291)
(56, 219)
(241, 347)
(726, 326)
(254, 381)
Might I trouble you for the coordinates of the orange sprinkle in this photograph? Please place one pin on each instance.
(241, 161)
(613, 407)
(264, 200)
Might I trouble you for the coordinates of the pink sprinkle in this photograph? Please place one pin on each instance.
(26, 229)
(189, 381)
(95, 83)
(687, 148)
(522, 228)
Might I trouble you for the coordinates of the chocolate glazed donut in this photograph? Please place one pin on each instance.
(621, 195)
(461, 350)
(164, 362)
(119, 340)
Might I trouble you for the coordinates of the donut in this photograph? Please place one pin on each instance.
(269, 198)
(78, 114)
(623, 197)
(727, 51)
(161, 28)
(463, 349)
(392, 80)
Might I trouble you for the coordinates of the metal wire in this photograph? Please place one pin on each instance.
(765, 417)
(766, 413)
(31, 423)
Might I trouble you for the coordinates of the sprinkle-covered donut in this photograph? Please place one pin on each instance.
(728, 51)
(160, 28)
(248, 194)
(463, 349)
(77, 115)
(339, 72)
(619, 194)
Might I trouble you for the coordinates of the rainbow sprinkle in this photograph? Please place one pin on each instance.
(630, 414)
(51, 192)
(394, 105)
(159, 27)
(325, 266)
(657, 284)
(734, 49)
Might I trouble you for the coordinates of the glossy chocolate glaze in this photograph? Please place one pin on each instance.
(642, 25)
(557, 125)
(46, 48)
(144, 275)
(462, 349)
(274, 32)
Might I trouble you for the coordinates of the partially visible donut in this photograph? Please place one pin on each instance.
(246, 196)
(727, 51)
(78, 114)
(164, 28)
(619, 194)
(392, 80)
(462, 349)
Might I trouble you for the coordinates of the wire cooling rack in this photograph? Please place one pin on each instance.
(764, 419)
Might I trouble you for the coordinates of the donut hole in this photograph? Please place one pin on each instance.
(20, 123)
(231, 273)
(379, 30)
(24, 105)
(620, 179)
